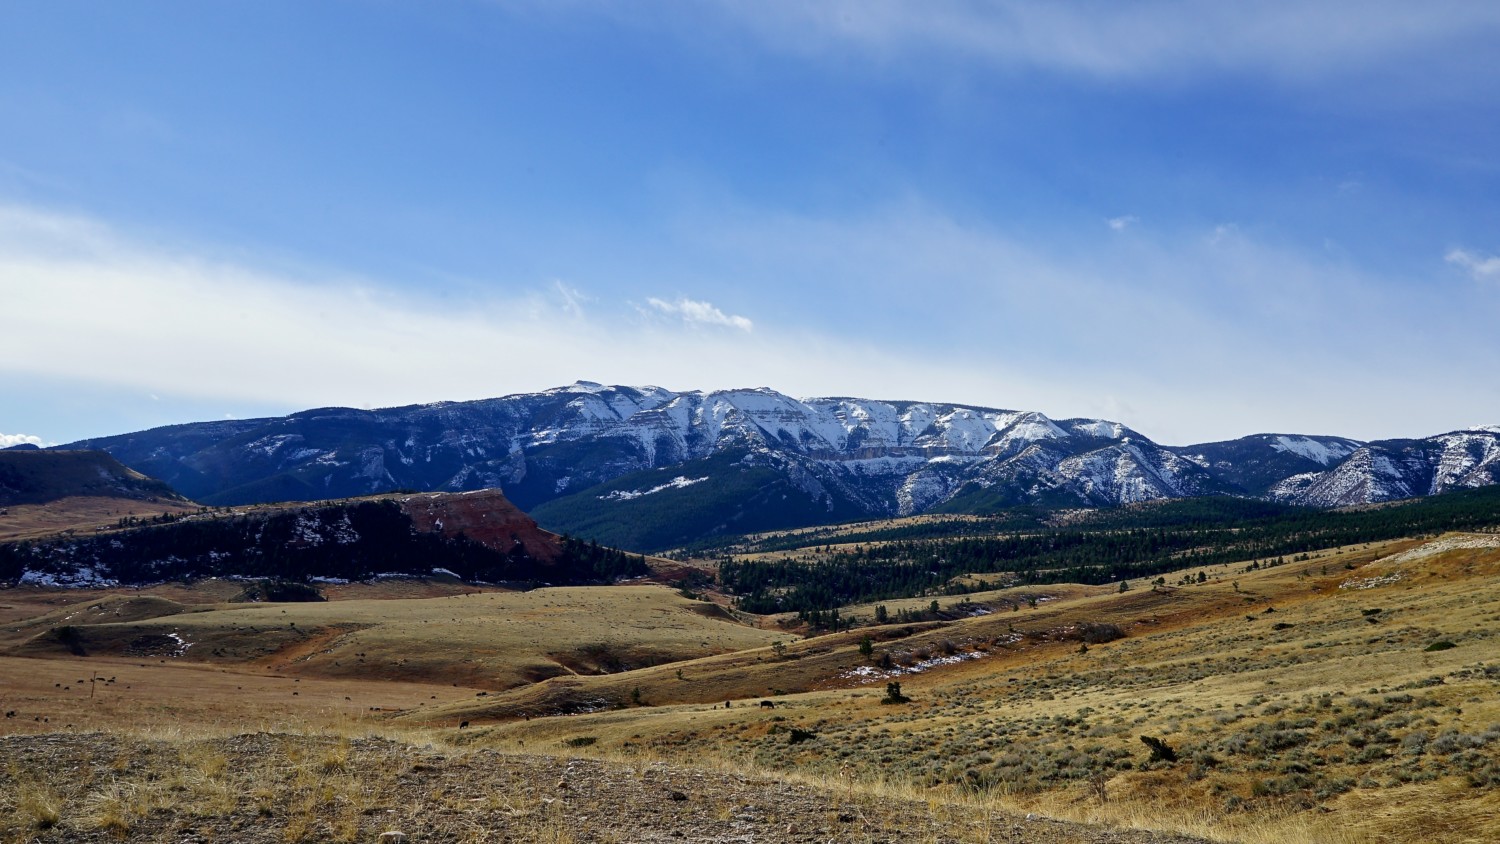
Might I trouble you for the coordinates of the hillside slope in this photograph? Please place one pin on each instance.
(34, 476)
(474, 536)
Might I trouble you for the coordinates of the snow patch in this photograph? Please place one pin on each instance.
(81, 577)
(1101, 428)
(1371, 582)
(871, 673)
(679, 482)
(182, 644)
(1324, 453)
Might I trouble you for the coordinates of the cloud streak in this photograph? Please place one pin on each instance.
(85, 305)
(1185, 336)
(1298, 38)
(694, 312)
(1201, 333)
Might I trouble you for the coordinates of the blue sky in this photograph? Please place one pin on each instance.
(1201, 219)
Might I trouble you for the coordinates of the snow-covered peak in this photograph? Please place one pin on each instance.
(1101, 428)
(578, 387)
(1023, 430)
(1324, 452)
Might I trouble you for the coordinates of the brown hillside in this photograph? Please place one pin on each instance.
(36, 477)
(46, 492)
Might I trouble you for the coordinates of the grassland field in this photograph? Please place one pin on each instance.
(1349, 697)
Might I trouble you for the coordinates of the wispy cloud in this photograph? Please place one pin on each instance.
(1120, 224)
(86, 305)
(1482, 267)
(694, 312)
(1204, 332)
(571, 297)
(1277, 37)
(8, 440)
(1194, 335)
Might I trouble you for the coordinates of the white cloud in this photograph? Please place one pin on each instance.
(1120, 224)
(694, 312)
(1183, 336)
(1484, 268)
(86, 305)
(1150, 37)
(8, 440)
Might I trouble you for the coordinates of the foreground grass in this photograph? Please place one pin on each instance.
(1350, 697)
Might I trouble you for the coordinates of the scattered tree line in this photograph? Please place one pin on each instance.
(1117, 545)
(603, 563)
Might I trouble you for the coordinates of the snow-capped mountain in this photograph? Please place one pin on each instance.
(588, 458)
(1393, 469)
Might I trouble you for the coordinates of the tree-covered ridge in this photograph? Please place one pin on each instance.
(1166, 513)
(352, 541)
(1114, 545)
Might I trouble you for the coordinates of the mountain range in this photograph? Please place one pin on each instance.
(648, 468)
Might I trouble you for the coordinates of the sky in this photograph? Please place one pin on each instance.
(1201, 219)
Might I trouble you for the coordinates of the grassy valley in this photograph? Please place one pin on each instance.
(1342, 689)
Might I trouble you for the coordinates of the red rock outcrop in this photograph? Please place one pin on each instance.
(485, 516)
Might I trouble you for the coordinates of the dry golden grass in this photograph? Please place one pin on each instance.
(1222, 664)
(1294, 694)
(492, 640)
(263, 788)
(79, 513)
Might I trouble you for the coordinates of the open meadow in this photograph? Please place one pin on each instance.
(1349, 696)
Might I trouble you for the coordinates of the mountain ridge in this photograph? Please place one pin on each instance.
(589, 456)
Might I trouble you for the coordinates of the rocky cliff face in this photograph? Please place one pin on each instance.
(589, 458)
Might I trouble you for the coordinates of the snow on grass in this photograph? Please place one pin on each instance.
(182, 644)
(871, 673)
(1443, 545)
(1371, 582)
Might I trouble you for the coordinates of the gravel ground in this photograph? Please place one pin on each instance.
(286, 788)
